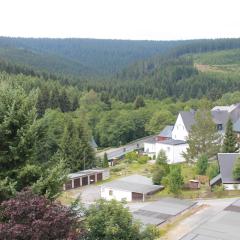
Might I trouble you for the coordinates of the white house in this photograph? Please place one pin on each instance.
(176, 145)
(131, 188)
(226, 163)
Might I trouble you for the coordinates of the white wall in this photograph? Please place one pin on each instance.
(118, 195)
(231, 186)
(179, 131)
(149, 147)
(173, 152)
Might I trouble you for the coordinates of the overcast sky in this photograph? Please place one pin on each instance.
(121, 19)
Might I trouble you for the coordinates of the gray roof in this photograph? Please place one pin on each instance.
(188, 118)
(215, 179)
(84, 173)
(236, 126)
(167, 131)
(173, 142)
(220, 117)
(134, 183)
(226, 163)
(161, 210)
(224, 226)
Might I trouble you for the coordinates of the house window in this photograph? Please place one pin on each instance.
(110, 192)
(219, 127)
(168, 148)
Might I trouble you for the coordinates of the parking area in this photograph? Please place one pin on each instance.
(88, 194)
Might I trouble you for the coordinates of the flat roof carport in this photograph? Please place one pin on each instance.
(162, 210)
(224, 226)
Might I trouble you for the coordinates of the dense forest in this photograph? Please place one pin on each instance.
(48, 119)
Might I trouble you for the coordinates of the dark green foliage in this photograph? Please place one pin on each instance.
(75, 149)
(161, 158)
(110, 220)
(139, 102)
(202, 165)
(161, 168)
(159, 173)
(236, 169)
(51, 182)
(203, 137)
(105, 161)
(212, 170)
(175, 179)
(7, 189)
(230, 139)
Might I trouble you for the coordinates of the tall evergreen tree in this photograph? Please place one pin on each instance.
(43, 101)
(65, 104)
(230, 139)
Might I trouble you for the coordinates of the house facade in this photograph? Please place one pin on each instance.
(131, 188)
(175, 145)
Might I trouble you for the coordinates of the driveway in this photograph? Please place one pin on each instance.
(88, 194)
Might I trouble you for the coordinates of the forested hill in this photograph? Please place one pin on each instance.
(79, 56)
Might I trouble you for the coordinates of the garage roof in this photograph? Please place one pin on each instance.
(224, 226)
(134, 183)
(161, 210)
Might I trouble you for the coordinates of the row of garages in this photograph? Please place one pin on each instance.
(84, 178)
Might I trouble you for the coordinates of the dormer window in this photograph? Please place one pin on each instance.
(219, 127)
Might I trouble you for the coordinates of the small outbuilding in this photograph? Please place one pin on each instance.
(131, 188)
(86, 177)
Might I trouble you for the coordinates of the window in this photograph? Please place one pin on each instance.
(168, 148)
(110, 192)
(219, 127)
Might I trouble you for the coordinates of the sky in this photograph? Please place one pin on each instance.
(121, 19)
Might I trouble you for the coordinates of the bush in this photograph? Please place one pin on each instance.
(143, 159)
(202, 165)
(212, 170)
(130, 157)
(218, 190)
(158, 173)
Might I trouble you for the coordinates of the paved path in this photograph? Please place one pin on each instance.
(119, 152)
(210, 209)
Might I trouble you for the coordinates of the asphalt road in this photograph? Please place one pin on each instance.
(119, 152)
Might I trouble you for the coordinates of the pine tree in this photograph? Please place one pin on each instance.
(230, 140)
(105, 160)
(65, 104)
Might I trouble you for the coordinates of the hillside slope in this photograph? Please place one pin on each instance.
(74, 56)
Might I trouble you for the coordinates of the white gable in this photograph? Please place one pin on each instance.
(179, 130)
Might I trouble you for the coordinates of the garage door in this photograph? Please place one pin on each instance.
(68, 185)
(77, 183)
(137, 196)
(99, 177)
(92, 179)
(85, 181)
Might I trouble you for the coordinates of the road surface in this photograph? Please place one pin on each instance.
(121, 151)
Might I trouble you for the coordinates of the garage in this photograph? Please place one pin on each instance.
(86, 177)
(137, 196)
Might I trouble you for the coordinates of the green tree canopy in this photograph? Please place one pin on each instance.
(230, 139)
(202, 165)
(236, 169)
(175, 179)
(203, 137)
